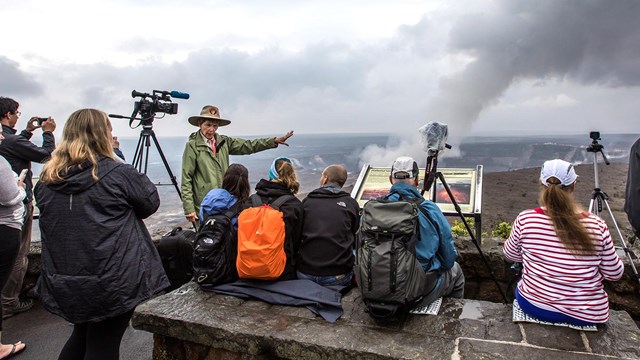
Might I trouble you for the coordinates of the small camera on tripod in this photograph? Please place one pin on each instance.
(595, 135)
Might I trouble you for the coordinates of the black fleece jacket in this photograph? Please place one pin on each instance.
(292, 215)
(20, 152)
(331, 218)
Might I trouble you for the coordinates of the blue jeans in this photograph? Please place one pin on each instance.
(546, 315)
(334, 280)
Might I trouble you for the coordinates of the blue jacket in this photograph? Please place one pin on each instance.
(433, 244)
(217, 201)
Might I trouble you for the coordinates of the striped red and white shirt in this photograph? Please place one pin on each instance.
(555, 279)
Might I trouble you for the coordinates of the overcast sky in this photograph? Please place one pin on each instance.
(482, 67)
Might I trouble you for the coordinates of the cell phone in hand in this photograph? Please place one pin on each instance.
(41, 120)
(22, 175)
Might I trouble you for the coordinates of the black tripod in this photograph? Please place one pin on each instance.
(430, 174)
(141, 156)
(598, 197)
(159, 102)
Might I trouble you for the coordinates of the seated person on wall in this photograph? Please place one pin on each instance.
(565, 253)
(283, 181)
(235, 189)
(331, 218)
(435, 251)
(206, 157)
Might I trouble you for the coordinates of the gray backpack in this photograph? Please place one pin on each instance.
(388, 273)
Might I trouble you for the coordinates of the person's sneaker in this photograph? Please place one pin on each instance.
(21, 307)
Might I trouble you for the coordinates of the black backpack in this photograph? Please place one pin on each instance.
(176, 252)
(388, 273)
(215, 250)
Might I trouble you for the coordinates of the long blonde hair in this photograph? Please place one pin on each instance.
(287, 176)
(565, 215)
(86, 137)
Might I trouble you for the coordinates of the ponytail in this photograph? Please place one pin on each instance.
(287, 176)
(565, 216)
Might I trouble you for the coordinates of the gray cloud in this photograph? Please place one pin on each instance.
(392, 84)
(590, 42)
(234, 80)
(16, 82)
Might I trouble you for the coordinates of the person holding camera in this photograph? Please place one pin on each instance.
(19, 151)
(206, 157)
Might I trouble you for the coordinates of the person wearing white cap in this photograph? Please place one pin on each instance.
(435, 251)
(632, 195)
(206, 157)
(565, 253)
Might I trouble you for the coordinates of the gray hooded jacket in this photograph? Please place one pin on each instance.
(11, 196)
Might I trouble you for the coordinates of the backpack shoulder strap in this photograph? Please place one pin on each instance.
(418, 202)
(256, 200)
(388, 195)
(281, 200)
(233, 210)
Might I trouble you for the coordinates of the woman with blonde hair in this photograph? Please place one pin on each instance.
(98, 261)
(566, 253)
(283, 181)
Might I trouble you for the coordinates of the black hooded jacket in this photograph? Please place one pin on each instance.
(20, 152)
(632, 197)
(98, 260)
(292, 215)
(331, 219)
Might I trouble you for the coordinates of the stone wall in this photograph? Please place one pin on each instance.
(623, 294)
(191, 324)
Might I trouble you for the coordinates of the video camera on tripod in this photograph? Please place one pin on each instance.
(434, 141)
(157, 102)
(148, 106)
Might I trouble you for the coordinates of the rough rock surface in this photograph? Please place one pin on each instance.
(191, 324)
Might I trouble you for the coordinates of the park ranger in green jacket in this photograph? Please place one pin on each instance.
(206, 157)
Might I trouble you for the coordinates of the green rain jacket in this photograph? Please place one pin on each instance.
(202, 171)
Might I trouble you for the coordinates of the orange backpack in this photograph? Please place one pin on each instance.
(261, 234)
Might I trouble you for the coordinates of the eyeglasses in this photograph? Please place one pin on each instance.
(18, 113)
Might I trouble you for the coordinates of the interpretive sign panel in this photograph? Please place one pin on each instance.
(465, 186)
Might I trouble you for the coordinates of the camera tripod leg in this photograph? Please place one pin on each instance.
(147, 144)
(473, 238)
(141, 157)
(166, 164)
(137, 156)
(624, 244)
(595, 205)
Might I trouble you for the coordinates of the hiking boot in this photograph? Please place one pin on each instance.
(21, 307)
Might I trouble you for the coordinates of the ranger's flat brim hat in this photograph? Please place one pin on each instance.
(209, 112)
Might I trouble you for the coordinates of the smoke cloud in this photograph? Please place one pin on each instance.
(586, 42)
